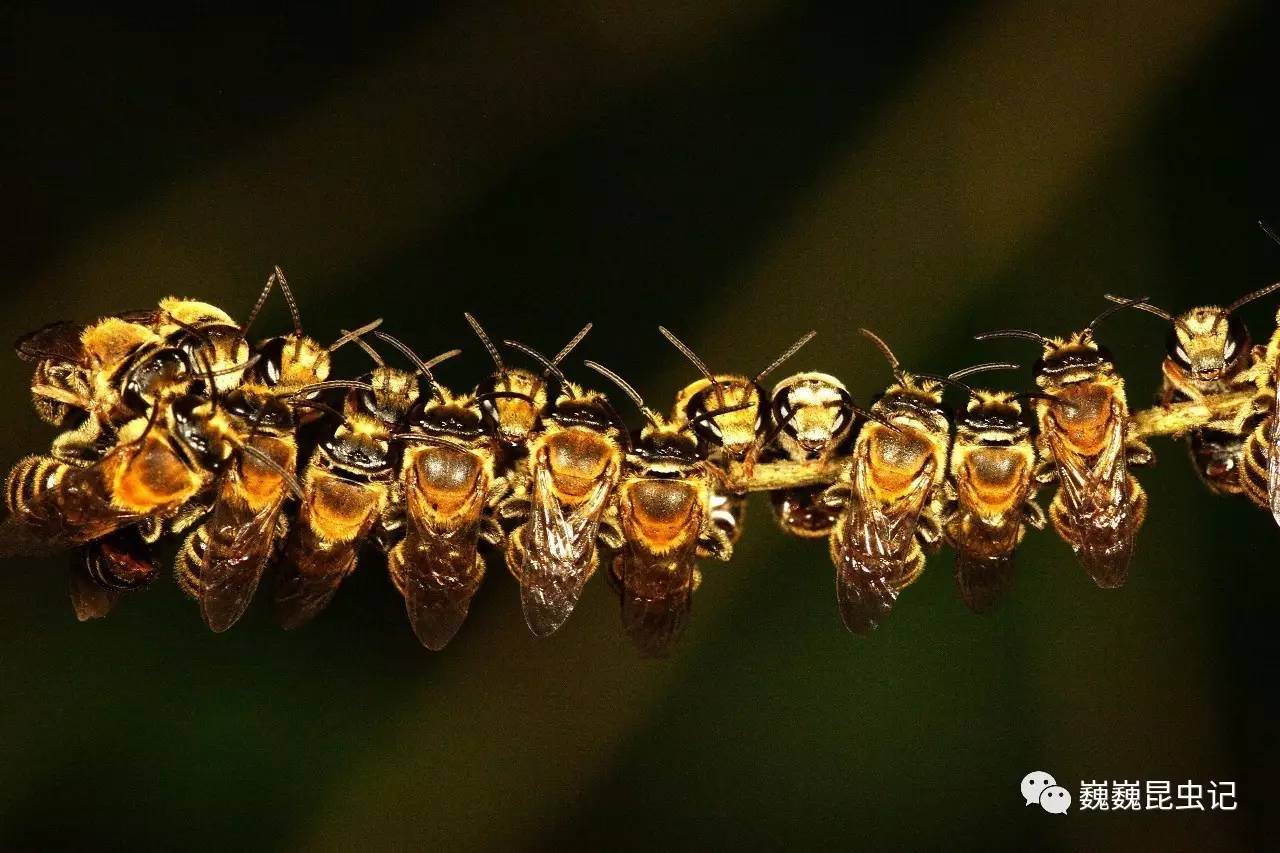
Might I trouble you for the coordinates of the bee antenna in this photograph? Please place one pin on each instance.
(569, 347)
(1249, 297)
(1035, 395)
(1141, 306)
(982, 368)
(792, 350)
(947, 380)
(626, 389)
(320, 406)
(1269, 231)
(697, 362)
(207, 369)
(1178, 321)
(192, 330)
(423, 370)
(488, 344)
(715, 413)
(289, 479)
(894, 366)
(353, 335)
(332, 384)
(257, 306)
(290, 301)
(359, 341)
(1016, 333)
(152, 419)
(244, 365)
(550, 367)
(1120, 306)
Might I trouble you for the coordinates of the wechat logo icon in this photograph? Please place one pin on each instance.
(1039, 787)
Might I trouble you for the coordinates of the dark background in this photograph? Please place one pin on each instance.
(741, 171)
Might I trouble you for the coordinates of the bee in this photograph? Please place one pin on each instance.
(1209, 351)
(1083, 417)
(222, 559)
(157, 466)
(813, 415)
(990, 490)
(345, 491)
(104, 569)
(573, 466)
(733, 427)
(447, 481)
(664, 505)
(512, 399)
(887, 494)
(1259, 475)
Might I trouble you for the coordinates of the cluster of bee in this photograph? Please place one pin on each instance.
(172, 422)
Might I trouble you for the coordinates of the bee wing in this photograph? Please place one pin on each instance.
(1273, 461)
(1099, 504)
(314, 568)
(438, 576)
(560, 553)
(982, 580)
(241, 538)
(55, 342)
(657, 597)
(871, 549)
(75, 511)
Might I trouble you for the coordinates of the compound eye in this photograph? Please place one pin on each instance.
(704, 427)
(1173, 347)
(271, 365)
(1237, 339)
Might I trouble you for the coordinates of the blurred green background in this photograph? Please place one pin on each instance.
(740, 171)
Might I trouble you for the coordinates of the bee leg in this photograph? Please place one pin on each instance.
(715, 542)
(697, 579)
(1033, 514)
(80, 445)
(1046, 472)
(611, 531)
(491, 531)
(929, 531)
(1138, 452)
(187, 563)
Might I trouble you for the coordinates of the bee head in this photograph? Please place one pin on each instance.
(265, 411)
(359, 448)
(993, 417)
(446, 416)
(1206, 343)
(1077, 359)
(663, 448)
(391, 395)
(291, 361)
(151, 373)
(723, 414)
(812, 410)
(197, 425)
(512, 401)
(578, 407)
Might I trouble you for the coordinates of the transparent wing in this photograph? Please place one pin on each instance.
(315, 565)
(871, 549)
(241, 536)
(1273, 461)
(559, 553)
(1099, 504)
(657, 596)
(982, 580)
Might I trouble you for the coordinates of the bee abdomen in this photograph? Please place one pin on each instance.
(30, 478)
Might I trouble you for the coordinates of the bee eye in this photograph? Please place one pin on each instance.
(271, 365)
(1229, 350)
